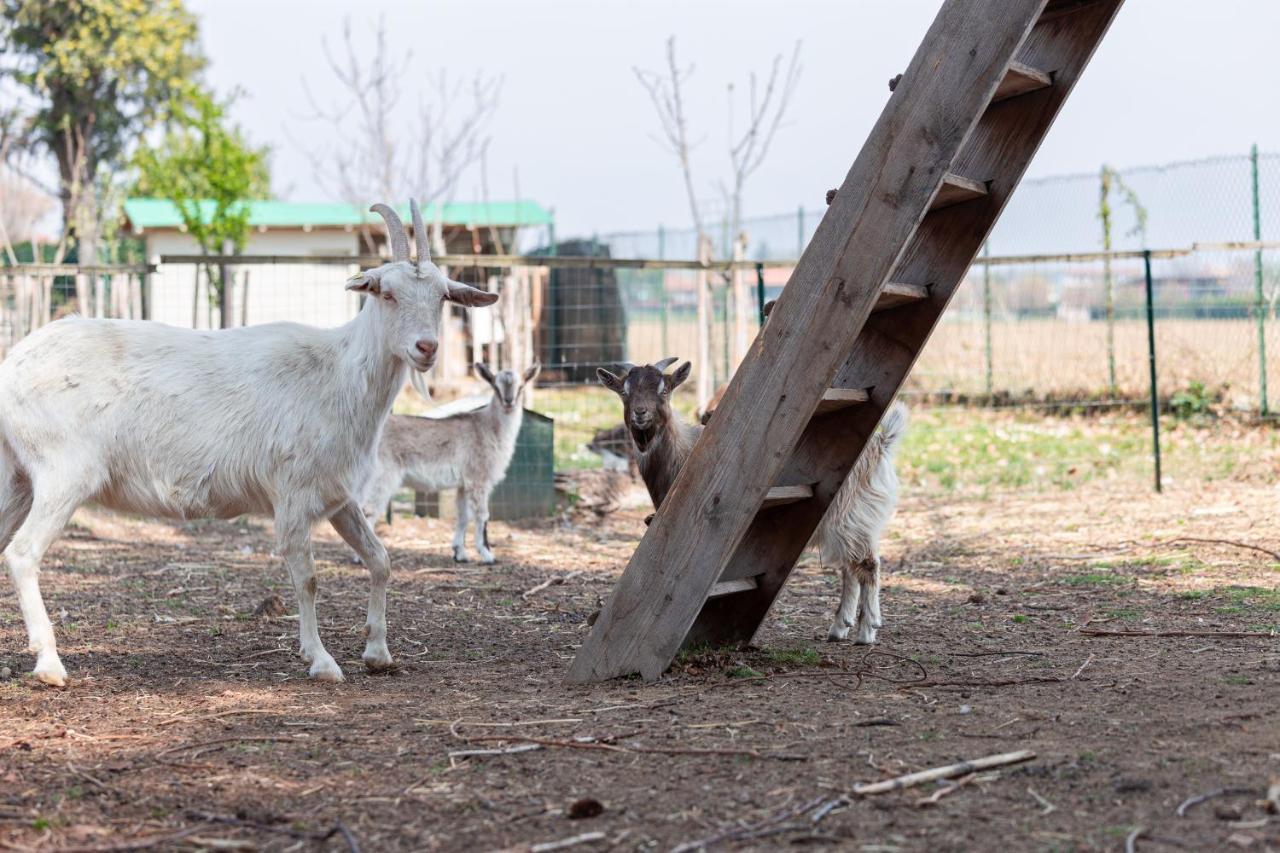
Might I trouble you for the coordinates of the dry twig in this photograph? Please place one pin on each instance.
(1083, 666)
(1216, 792)
(932, 799)
(1098, 632)
(960, 769)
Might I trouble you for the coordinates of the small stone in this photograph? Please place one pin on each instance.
(1227, 811)
(977, 598)
(5, 673)
(966, 709)
(1001, 591)
(585, 808)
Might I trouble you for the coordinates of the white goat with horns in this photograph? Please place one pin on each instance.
(279, 418)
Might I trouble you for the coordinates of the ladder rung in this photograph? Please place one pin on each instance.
(955, 189)
(1021, 79)
(835, 399)
(782, 495)
(730, 587)
(895, 294)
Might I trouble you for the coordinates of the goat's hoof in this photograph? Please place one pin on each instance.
(327, 669)
(52, 673)
(377, 660)
(488, 559)
(460, 557)
(355, 560)
(837, 635)
(866, 637)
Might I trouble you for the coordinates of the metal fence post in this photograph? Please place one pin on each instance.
(1151, 361)
(986, 319)
(662, 279)
(1259, 300)
(760, 291)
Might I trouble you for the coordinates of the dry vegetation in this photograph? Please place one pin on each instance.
(190, 724)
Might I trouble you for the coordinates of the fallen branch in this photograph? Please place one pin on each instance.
(1013, 682)
(1272, 554)
(633, 750)
(338, 828)
(146, 843)
(1131, 842)
(932, 799)
(1216, 792)
(1046, 807)
(508, 750)
(963, 768)
(1083, 667)
(584, 838)
(556, 581)
(1098, 632)
(222, 741)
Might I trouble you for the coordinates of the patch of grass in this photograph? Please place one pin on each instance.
(1238, 679)
(1124, 614)
(1259, 597)
(744, 671)
(1019, 618)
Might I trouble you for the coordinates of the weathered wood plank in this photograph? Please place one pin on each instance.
(1021, 79)
(957, 189)
(835, 399)
(771, 400)
(783, 495)
(724, 588)
(895, 294)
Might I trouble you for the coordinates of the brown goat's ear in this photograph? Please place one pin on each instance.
(608, 380)
(484, 372)
(366, 281)
(678, 377)
(531, 373)
(472, 297)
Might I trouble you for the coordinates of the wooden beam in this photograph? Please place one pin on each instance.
(730, 587)
(1021, 79)
(896, 293)
(957, 189)
(836, 399)
(783, 495)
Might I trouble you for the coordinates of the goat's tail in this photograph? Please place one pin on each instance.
(894, 426)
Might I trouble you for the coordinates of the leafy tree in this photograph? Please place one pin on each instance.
(208, 170)
(96, 75)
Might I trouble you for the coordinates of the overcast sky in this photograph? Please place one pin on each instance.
(1175, 79)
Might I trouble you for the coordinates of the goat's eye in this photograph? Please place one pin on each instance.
(388, 297)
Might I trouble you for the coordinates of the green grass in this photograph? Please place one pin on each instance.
(806, 656)
(1096, 579)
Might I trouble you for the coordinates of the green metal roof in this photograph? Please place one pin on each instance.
(160, 213)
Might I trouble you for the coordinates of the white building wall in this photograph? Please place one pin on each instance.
(308, 293)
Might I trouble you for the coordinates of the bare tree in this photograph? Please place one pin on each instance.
(748, 150)
(665, 89)
(377, 147)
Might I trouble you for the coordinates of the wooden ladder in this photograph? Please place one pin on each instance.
(941, 162)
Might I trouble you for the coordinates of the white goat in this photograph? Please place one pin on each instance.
(278, 418)
(850, 532)
(469, 452)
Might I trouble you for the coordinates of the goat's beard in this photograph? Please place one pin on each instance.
(643, 437)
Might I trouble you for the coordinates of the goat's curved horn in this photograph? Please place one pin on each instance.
(666, 362)
(420, 235)
(395, 231)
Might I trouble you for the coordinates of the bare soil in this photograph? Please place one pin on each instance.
(189, 722)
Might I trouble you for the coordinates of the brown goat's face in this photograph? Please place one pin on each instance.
(645, 391)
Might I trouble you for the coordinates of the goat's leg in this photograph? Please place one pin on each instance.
(293, 535)
(478, 505)
(357, 532)
(48, 511)
(847, 612)
(869, 619)
(460, 528)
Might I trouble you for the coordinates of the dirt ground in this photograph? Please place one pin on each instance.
(189, 722)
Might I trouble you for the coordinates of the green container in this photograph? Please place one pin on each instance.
(528, 490)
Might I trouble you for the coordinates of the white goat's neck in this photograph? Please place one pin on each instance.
(366, 372)
(660, 462)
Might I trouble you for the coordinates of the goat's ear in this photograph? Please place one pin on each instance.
(483, 370)
(365, 281)
(472, 297)
(679, 376)
(608, 380)
(531, 373)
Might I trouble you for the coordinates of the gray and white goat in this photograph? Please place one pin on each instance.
(469, 452)
(280, 419)
(850, 532)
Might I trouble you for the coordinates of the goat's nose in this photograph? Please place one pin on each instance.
(427, 347)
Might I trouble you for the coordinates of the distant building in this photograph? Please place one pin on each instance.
(310, 292)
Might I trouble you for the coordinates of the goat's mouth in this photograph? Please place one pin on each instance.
(421, 364)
